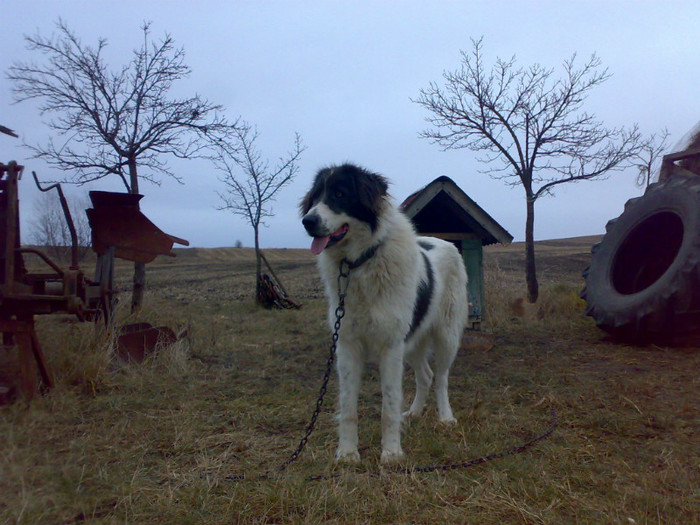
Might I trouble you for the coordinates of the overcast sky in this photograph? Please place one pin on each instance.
(342, 75)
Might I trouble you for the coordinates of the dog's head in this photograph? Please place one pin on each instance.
(342, 199)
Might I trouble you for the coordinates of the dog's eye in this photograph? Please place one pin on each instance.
(339, 194)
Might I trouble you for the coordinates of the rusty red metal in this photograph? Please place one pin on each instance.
(119, 229)
(21, 296)
(116, 220)
(136, 341)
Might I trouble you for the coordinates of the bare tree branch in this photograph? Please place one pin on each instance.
(648, 159)
(250, 183)
(49, 228)
(119, 122)
(115, 122)
(527, 125)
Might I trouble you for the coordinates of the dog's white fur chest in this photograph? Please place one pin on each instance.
(381, 293)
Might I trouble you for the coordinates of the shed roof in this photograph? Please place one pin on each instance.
(443, 209)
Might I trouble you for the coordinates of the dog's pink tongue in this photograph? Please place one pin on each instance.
(319, 244)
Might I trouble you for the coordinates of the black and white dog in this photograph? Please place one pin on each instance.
(406, 299)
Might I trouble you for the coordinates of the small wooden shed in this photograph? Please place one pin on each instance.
(441, 209)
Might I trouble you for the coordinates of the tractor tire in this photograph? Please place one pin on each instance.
(643, 283)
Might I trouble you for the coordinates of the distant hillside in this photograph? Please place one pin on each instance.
(241, 254)
(575, 246)
(562, 246)
(556, 259)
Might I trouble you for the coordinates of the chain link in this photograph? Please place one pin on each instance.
(343, 282)
(483, 459)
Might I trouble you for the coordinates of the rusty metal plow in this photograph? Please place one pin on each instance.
(119, 229)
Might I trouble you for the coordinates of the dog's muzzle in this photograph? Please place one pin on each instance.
(322, 237)
(312, 224)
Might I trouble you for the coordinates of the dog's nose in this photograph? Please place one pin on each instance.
(311, 222)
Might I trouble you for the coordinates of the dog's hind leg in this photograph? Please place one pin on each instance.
(350, 367)
(446, 346)
(418, 361)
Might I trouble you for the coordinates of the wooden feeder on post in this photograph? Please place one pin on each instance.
(441, 209)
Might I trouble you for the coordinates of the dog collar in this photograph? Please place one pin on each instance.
(362, 259)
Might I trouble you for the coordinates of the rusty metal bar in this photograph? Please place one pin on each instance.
(69, 220)
(44, 257)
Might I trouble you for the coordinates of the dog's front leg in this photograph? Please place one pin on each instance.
(391, 372)
(349, 376)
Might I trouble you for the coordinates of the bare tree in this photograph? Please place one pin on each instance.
(529, 125)
(648, 159)
(115, 122)
(251, 184)
(49, 228)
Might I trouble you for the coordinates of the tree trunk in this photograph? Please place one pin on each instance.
(139, 267)
(139, 286)
(258, 265)
(530, 269)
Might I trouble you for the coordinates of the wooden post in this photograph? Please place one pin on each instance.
(472, 252)
(9, 226)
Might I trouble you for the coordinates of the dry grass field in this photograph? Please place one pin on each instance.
(193, 434)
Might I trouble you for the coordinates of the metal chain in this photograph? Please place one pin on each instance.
(343, 281)
(483, 459)
(465, 464)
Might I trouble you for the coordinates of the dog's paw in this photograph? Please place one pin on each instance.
(391, 457)
(449, 421)
(410, 414)
(351, 457)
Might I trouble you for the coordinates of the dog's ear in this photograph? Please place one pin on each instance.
(313, 194)
(372, 189)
